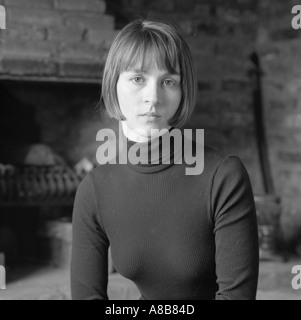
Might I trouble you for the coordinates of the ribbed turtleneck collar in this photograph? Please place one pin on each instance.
(161, 160)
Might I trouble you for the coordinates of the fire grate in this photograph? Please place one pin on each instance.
(38, 185)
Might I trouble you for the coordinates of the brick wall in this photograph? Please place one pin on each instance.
(55, 38)
(280, 50)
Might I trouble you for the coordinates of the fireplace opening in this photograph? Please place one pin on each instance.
(58, 115)
(46, 141)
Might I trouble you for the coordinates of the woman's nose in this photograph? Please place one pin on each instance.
(152, 94)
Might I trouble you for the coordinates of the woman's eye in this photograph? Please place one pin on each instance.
(137, 80)
(169, 83)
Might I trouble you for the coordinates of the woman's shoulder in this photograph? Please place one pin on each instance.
(98, 172)
(217, 160)
(101, 175)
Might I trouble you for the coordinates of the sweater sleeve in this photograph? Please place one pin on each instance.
(89, 264)
(235, 230)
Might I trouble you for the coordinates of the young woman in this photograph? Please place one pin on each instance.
(176, 236)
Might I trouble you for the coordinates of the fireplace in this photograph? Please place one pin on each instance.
(46, 143)
(48, 124)
(51, 59)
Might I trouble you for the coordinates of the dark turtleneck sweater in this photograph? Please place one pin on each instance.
(176, 236)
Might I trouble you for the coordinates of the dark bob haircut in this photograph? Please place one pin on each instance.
(141, 44)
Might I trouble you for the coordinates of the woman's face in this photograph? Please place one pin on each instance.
(149, 99)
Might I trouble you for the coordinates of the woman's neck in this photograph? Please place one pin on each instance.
(135, 136)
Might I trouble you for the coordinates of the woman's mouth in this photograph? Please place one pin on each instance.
(151, 115)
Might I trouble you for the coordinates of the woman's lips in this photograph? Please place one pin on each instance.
(151, 115)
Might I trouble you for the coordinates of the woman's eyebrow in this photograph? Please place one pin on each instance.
(171, 74)
(141, 71)
(176, 73)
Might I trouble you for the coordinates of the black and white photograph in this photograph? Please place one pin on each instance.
(150, 151)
